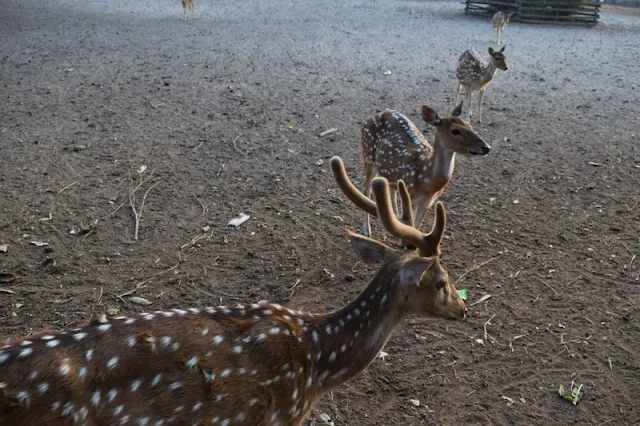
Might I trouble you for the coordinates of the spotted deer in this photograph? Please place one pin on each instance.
(500, 21)
(189, 7)
(474, 74)
(394, 148)
(257, 364)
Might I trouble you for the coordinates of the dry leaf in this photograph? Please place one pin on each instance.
(4, 248)
(39, 243)
(112, 311)
(139, 300)
(6, 290)
(415, 402)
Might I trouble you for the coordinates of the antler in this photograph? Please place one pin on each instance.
(352, 193)
(364, 202)
(427, 244)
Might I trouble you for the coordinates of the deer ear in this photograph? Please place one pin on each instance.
(369, 250)
(491, 51)
(457, 111)
(412, 271)
(503, 47)
(430, 116)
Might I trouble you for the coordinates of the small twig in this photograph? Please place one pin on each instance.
(68, 186)
(142, 283)
(293, 289)
(235, 146)
(137, 214)
(627, 247)
(204, 209)
(610, 364)
(115, 211)
(555, 293)
(515, 338)
(612, 420)
(475, 268)
(488, 322)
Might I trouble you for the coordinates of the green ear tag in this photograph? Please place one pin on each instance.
(463, 294)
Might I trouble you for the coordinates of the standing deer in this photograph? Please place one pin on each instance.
(189, 6)
(393, 147)
(500, 21)
(261, 364)
(475, 75)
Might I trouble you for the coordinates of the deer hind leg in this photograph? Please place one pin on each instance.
(469, 92)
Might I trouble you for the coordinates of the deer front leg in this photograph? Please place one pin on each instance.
(480, 97)
(422, 205)
(468, 93)
(458, 93)
(368, 179)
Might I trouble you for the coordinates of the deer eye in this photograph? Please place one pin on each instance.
(455, 132)
(441, 285)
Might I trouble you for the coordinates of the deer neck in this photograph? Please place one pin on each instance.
(348, 340)
(443, 163)
(489, 72)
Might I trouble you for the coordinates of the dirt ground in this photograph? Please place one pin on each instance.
(224, 113)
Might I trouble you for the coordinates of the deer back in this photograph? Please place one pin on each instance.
(395, 147)
(224, 365)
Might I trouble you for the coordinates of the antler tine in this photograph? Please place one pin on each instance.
(407, 208)
(352, 193)
(427, 244)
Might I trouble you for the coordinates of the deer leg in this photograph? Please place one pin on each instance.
(480, 97)
(368, 179)
(468, 93)
(421, 211)
(458, 93)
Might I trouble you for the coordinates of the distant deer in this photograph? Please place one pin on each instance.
(475, 75)
(189, 6)
(393, 147)
(259, 364)
(500, 21)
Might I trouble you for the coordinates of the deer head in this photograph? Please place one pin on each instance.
(420, 281)
(456, 133)
(498, 59)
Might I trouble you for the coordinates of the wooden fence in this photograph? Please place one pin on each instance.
(577, 12)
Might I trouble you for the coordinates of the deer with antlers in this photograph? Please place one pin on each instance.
(394, 148)
(257, 364)
(474, 74)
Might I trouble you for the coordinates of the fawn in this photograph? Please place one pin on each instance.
(475, 75)
(189, 6)
(393, 147)
(259, 364)
(500, 21)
